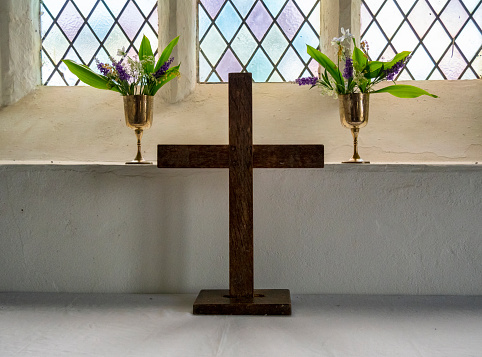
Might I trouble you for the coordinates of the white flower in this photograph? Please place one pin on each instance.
(345, 35)
(122, 52)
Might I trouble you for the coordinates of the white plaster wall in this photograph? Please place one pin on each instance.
(19, 49)
(377, 229)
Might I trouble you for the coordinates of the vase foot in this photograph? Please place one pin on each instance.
(356, 161)
(137, 162)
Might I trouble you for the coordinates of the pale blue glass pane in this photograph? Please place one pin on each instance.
(275, 77)
(244, 44)
(260, 67)
(375, 40)
(214, 78)
(306, 6)
(115, 5)
(274, 6)
(228, 21)
(86, 44)
(85, 6)
(314, 19)
(243, 6)
(70, 21)
(469, 40)
(471, 4)
(45, 21)
(116, 41)
(213, 45)
(204, 68)
(436, 75)
(274, 43)
(101, 21)
(290, 20)
(147, 31)
(405, 5)
(389, 18)
(405, 39)
(374, 5)
(69, 76)
(47, 67)
(437, 41)
(55, 44)
(54, 6)
(420, 64)
(131, 20)
(290, 66)
(421, 17)
(469, 74)
(204, 22)
(365, 19)
(154, 21)
(259, 20)
(103, 57)
(306, 36)
(56, 80)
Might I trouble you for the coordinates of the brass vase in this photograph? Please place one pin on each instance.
(354, 115)
(138, 112)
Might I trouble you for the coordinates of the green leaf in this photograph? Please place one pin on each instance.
(86, 75)
(404, 91)
(170, 74)
(145, 50)
(374, 68)
(359, 59)
(397, 58)
(328, 65)
(166, 53)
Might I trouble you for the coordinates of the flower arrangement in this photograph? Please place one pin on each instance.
(130, 76)
(360, 74)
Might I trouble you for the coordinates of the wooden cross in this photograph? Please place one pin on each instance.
(241, 156)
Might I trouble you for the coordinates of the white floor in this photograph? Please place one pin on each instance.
(162, 325)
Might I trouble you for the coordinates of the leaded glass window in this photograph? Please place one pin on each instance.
(265, 37)
(82, 30)
(444, 35)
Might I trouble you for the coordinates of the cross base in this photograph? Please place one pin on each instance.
(264, 302)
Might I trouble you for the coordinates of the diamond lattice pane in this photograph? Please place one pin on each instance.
(81, 30)
(258, 36)
(444, 35)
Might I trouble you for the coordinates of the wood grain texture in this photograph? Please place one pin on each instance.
(288, 156)
(264, 302)
(193, 156)
(241, 275)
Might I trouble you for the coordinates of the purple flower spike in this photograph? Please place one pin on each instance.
(392, 72)
(103, 68)
(164, 68)
(306, 81)
(348, 72)
(123, 75)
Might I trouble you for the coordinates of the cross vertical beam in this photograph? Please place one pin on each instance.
(240, 186)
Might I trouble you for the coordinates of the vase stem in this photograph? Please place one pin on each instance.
(139, 159)
(356, 159)
(354, 132)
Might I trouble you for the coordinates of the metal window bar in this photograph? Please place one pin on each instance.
(258, 42)
(421, 39)
(86, 23)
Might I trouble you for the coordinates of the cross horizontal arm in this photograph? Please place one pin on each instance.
(193, 156)
(288, 156)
